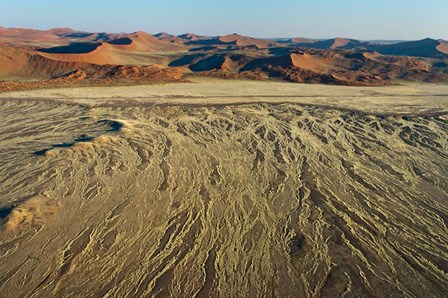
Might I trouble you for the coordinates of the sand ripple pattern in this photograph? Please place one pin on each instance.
(251, 200)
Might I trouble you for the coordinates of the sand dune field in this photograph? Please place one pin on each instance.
(225, 188)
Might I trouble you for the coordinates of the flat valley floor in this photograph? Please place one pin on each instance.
(224, 188)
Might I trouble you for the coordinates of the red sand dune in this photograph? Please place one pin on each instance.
(68, 55)
(52, 37)
(340, 42)
(429, 48)
(23, 63)
(303, 40)
(194, 37)
(118, 51)
(29, 37)
(242, 41)
(61, 31)
(443, 47)
(141, 42)
(104, 53)
(309, 62)
(170, 38)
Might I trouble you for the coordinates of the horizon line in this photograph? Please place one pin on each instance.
(218, 35)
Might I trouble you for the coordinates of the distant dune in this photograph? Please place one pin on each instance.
(302, 40)
(428, 47)
(335, 43)
(443, 46)
(22, 63)
(47, 55)
(142, 41)
(120, 51)
(18, 36)
(194, 37)
(422, 48)
(102, 53)
(170, 38)
(243, 41)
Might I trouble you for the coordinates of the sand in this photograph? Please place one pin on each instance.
(245, 41)
(224, 188)
(48, 55)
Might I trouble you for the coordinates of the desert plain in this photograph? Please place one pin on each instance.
(225, 188)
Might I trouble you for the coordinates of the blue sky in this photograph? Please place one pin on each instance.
(375, 19)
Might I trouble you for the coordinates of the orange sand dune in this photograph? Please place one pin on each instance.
(143, 42)
(12, 59)
(61, 31)
(118, 51)
(193, 37)
(443, 47)
(427, 47)
(326, 61)
(309, 62)
(242, 41)
(29, 37)
(104, 53)
(303, 40)
(51, 38)
(21, 63)
(340, 42)
(164, 36)
(34, 54)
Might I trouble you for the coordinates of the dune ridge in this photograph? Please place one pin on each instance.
(49, 55)
(240, 40)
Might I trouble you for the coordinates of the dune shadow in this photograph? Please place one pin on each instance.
(114, 126)
(204, 48)
(422, 48)
(206, 42)
(81, 139)
(121, 41)
(73, 48)
(209, 63)
(440, 64)
(278, 51)
(79, 35)
(185, 60)
(5, 212)
(261, 63)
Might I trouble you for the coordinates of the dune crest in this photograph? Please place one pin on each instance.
(143, 58)
(243, 41)
(443, 47)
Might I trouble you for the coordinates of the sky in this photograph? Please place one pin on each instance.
(360, 19)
